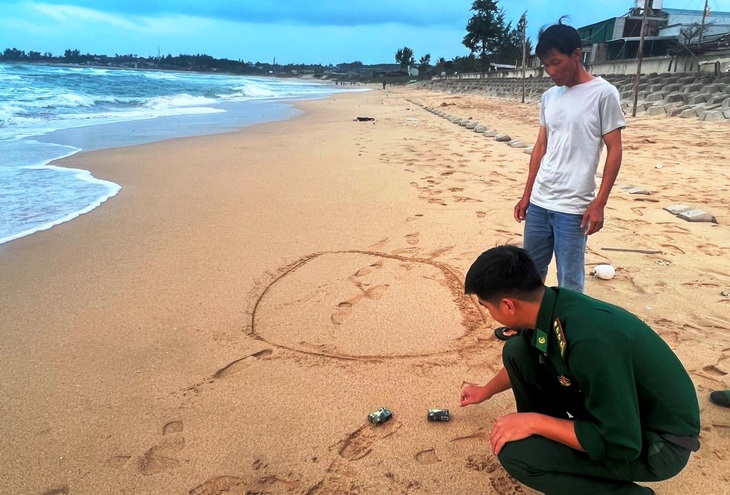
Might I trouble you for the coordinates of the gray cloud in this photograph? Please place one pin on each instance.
(306, 12)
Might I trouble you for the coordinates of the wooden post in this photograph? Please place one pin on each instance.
(702, 26)
(641, 56)
(524, 55)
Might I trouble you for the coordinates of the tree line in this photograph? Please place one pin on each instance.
(198, 62)
(489, 38)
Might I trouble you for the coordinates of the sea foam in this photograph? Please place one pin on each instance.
(49, 112)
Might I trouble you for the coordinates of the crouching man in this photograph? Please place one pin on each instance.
(602, 401)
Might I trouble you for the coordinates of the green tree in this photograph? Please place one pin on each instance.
(462, 65)
(424, 64)
(511, 50)
(485, 31)
(71, 55)
(404, 56)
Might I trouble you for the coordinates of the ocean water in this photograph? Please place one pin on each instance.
(50, 112)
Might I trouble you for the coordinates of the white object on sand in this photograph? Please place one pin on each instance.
(605, 272)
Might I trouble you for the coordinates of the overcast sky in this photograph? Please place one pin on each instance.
(290, 31)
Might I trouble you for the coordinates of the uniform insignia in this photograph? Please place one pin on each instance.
(564, 381)
(541, 341)
(560, 335)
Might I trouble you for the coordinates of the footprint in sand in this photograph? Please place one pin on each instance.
(466, 199)
(368, 270)
(217, 486)
(505, 484)
(414, 217)
(502, 482)
(344, 309)
(58, 490)
(405, 251)
(482, 463)
(240, 364)
(221, 485)
(162, 457)
(477, 435)
(720, 368)
(427, 457)
(412, 239)
(359, 443)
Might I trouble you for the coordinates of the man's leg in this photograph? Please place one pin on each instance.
(553, 468)
(538, 238)
(556, 469)
(570, 250)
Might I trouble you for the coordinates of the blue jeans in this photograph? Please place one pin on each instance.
(550, 231)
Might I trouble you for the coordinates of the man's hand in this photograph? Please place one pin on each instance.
(473, 394)
(520, 211)
(518, 426)
(510, 428)
(593, 218)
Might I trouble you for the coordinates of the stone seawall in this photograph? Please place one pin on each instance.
(682, 94)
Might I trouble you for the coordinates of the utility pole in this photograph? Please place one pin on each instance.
(524, 49)
(702, 26)
(641, 56)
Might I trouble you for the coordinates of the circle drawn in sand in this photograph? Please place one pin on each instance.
(361, 304)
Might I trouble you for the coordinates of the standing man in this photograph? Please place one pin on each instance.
(602, 401)
(578, 116)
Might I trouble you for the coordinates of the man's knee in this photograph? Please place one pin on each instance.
(515, 459)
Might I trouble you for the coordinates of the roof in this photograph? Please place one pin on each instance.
(646, 38)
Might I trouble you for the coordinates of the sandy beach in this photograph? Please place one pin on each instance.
(225, 324)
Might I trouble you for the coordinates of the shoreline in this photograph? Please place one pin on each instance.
(231, 317)
(144, 131)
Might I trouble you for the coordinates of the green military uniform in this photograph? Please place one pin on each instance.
(635, 408)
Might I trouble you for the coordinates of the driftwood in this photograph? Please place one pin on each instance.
(630, 250)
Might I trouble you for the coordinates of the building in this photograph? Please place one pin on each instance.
(668, 32)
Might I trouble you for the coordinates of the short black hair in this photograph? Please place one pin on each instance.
(560, 37)
(504, 271)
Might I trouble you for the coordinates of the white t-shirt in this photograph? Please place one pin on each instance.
(576, 119)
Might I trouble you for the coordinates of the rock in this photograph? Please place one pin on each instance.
(713, 115)
(690, 213)
(656, 110)
(696, 99)
(697, 216)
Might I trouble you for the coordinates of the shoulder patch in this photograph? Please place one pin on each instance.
(541, 341)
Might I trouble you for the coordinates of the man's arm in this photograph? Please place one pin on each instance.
(517, 426)
(538, 151)
(593, 217)
(474, 394)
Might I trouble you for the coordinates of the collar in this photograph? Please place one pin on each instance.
(543, 329)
